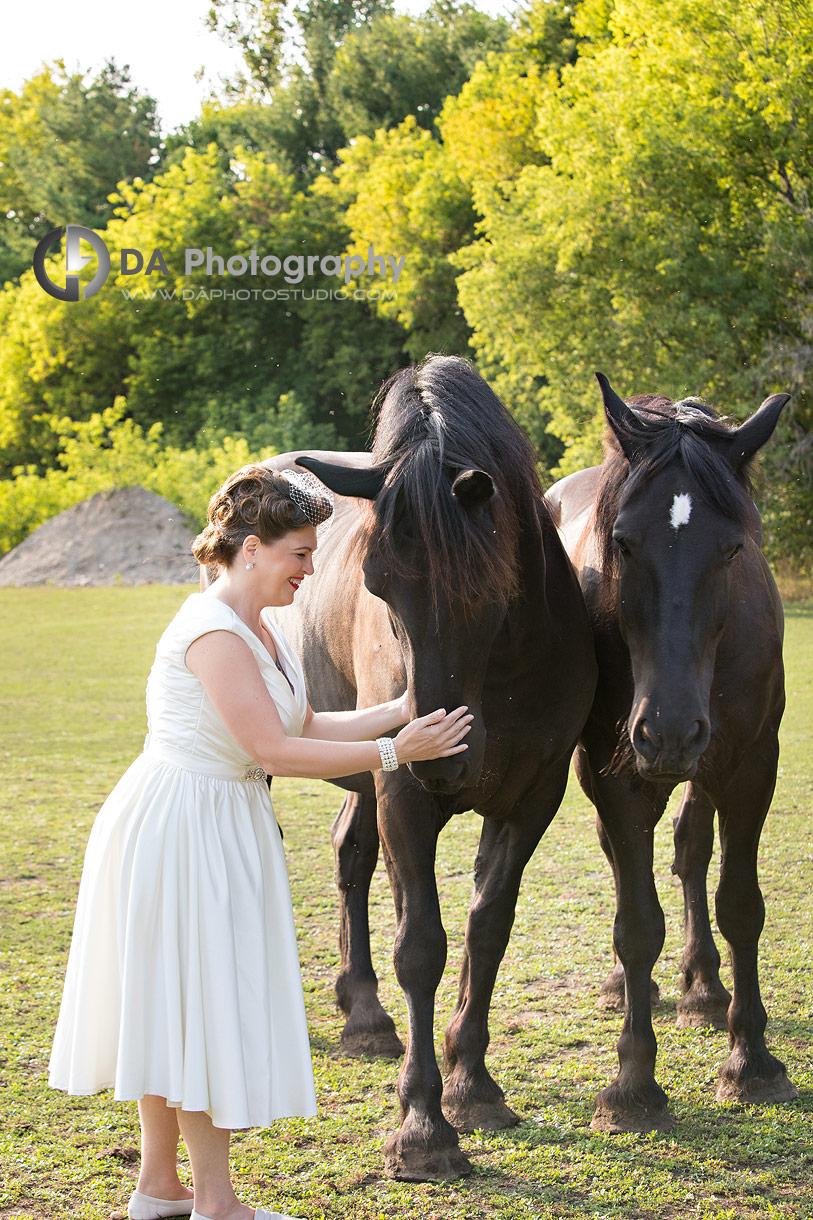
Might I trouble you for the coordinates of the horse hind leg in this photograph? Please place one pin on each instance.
(612, 989)
(751, 1074)
(705, 1000)
(369, 1029)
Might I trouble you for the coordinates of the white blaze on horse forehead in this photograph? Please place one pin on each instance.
(681, 510)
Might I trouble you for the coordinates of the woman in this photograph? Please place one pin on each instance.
(183, 989)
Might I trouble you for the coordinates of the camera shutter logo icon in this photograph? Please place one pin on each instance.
(74, 262)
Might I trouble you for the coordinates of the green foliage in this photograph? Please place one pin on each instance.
(399, 189)
(621, 185)
(404, 196)
(180, 347)
(399, 65)
(109, 450)
(65, 143)
(55, 362)
(663, 234)
(404, 191)
(257, 27)
(356, 67)
(289, 51)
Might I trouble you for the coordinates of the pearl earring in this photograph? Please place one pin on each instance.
(249, 567)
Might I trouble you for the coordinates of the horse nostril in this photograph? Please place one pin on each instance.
(642, 740)
(697, 736)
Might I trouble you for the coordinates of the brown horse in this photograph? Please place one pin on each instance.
(443, 574)
(687, 625)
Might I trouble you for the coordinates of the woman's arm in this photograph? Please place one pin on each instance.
(225, 666)
(358, 725)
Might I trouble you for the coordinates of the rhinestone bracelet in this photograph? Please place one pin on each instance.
(386, 748)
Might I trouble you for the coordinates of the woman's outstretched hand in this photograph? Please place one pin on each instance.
(434, 736)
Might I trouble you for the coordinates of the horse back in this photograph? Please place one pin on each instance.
(287, 461)
(571, 501)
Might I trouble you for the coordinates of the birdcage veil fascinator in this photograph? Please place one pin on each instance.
(312, 497)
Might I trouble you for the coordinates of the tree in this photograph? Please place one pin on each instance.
(404, 198)
(663, 233)
(396, 65)
(258, 29)
(289, 51)
(65, 144)
(346, 69)
(203, 353)
(418, 196)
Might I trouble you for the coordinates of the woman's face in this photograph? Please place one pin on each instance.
(281, 566)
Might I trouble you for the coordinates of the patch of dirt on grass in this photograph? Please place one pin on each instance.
(127, 536)
(128, 1155)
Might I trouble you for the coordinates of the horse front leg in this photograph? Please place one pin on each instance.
(369, 1029)
(472, 1100)
(751, 1074)
(425, 1146)
(705, 1000)
(634, 1101)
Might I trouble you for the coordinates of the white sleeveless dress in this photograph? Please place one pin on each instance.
(183, 976)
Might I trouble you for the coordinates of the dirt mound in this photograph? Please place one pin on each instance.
(129, 536)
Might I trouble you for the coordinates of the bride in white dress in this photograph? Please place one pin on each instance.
(182, 989)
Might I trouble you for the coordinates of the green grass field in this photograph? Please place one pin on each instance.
(72, 718)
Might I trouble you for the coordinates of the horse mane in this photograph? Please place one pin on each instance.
(662, 431)
(440, 418)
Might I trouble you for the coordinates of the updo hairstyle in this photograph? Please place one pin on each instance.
(253, 500)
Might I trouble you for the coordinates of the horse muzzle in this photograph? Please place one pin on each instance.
(446, 776)
(669, 753)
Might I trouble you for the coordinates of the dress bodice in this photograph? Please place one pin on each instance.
(180, 713)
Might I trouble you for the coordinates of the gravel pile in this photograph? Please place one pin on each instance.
(129, 536)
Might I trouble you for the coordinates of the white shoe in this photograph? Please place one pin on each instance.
(145, 1207)
(259, 1214)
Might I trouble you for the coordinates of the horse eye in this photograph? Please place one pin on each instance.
(734, 552)
(376, 582)
(621, 545)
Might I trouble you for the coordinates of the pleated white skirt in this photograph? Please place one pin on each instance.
(183, 977)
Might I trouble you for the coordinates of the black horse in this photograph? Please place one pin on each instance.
(450, 581)
(687, 624)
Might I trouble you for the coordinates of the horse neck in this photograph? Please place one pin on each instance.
(523, 632)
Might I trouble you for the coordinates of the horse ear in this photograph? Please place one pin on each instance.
(473, 487)
(744, 441)
(361, 482)
(620, 418)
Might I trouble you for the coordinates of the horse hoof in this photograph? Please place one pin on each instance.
(620, 1109)
(699, 1014)
(611, 1000)
(380, 1044)
(422, 1164)
(612, 994)
(702, 1005)
(479, 1115)
(757, 1090)
(617, 1120)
